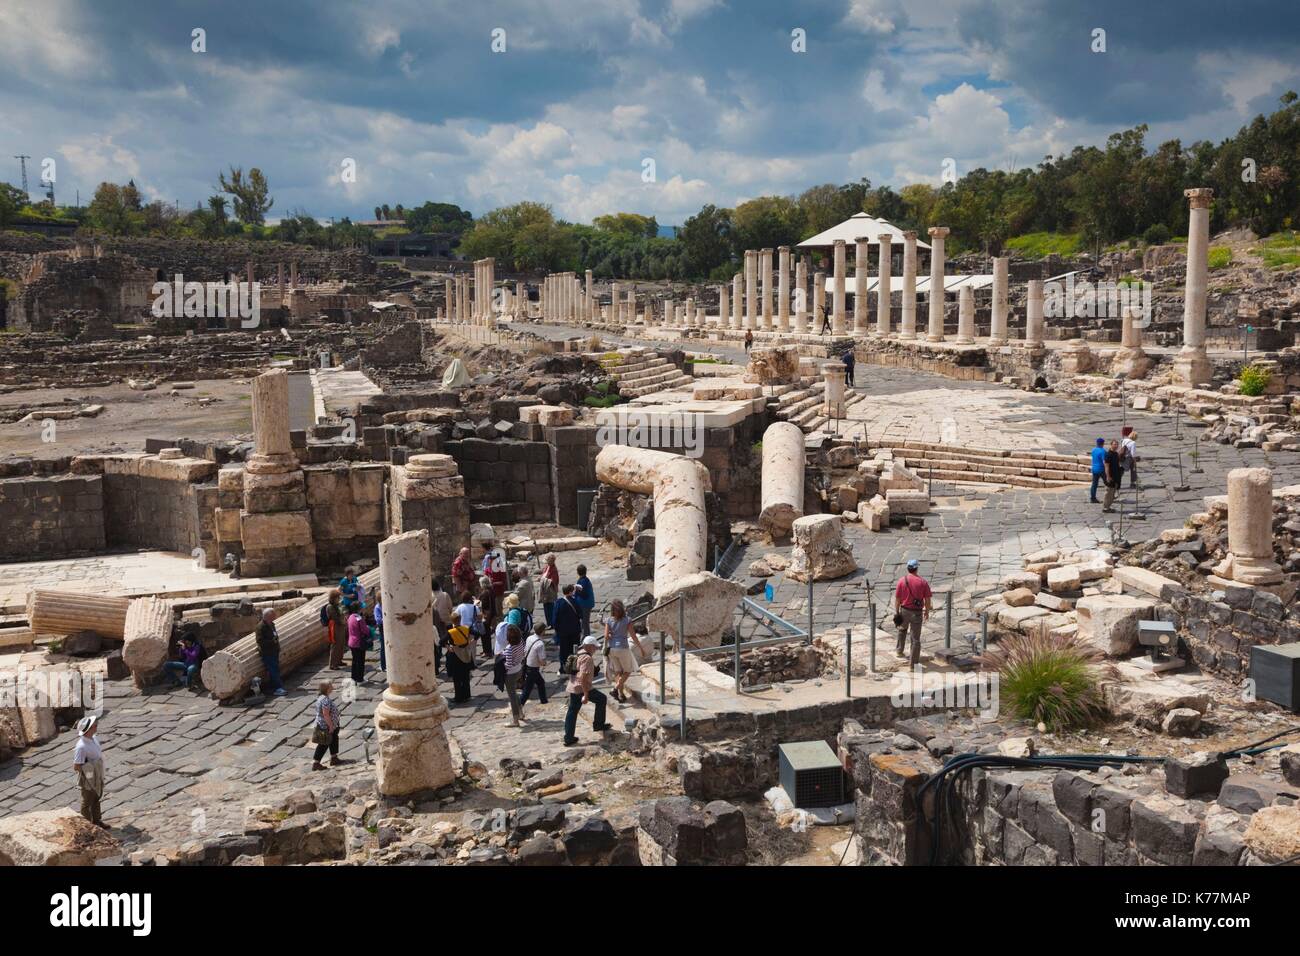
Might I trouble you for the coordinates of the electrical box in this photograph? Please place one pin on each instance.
(811, 774)
(1275, 669)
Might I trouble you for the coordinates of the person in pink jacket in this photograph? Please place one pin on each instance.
(358, 638)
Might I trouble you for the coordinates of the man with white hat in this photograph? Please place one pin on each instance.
(581, 691)
(88, 762)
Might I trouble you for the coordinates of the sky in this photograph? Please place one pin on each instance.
(599, 106)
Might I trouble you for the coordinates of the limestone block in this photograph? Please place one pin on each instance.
(1019, 597)
(1023, 579)
(1274, 834)
(710, 607)
(773, 366)
(1108, 622)
(1148, 582)
(38, 721)
(904, 502)
(60, 837)
(874, 513)
(1064, 578)
(182, 469)
(1014, 618)
(897, 476)
(820, 549)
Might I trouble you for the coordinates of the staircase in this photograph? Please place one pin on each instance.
(803, 405)
(640, 372)
(1024, 469)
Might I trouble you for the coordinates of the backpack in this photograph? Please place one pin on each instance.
(571, 664)
(325, 615)
(528, 622)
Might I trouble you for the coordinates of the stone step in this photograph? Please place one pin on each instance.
(992, 463)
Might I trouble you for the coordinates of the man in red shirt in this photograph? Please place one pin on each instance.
(911, 607)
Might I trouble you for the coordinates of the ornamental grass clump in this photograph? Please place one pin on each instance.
(1045, 679)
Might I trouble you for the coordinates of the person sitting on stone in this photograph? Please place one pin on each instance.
(189, 656)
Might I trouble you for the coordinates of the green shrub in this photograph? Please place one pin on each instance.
(1220, 257)
(1039, 245)
(1157, 234)
(1280, 250)
(1045, 679)
(1253, 380)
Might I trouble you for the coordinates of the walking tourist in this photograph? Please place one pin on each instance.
(462, 574)
(749, 340)
(1128, 454)
(550, 589)
(88, 762)
(912, 605)
(268, 646)
(568, 624)
(849, 359)
(581, 691)
(534, 661)
(826, 320)
(358, 638)
(585, 595)
(1098, 468)
(325, 731)
(618, 633)
(460, 658)
(527, 596)
(1114, 475)
(512, 668)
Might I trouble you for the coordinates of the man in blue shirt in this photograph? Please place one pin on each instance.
(1098, 467)
(585, 595)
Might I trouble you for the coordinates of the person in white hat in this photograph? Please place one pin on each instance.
(88, 762)
(581, 691)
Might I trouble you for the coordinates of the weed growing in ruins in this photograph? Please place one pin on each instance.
(604, 395)
(1220, 257)
(1047, 680)
(1280, 250)
(1253, 380)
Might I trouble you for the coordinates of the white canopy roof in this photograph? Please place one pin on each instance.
(856, 226)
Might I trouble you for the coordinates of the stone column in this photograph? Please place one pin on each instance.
(834, 373)
(907, 329)
(279, 280)
(147, 637)
(590, 295)
(275, 525)
(272, 450)
(937, 234)
(839, 325)
(615, 291)
(738, 300)
(818, 302)
(414, 756)
(862, 252)
(1034, 315)
(885, 287)
(631, 307)
(670, 312)
(1131, 359)
(751, 289)
(965, 316)
(765, 269)
(1192, 365)
(52, 611)
(489, 287)
(783, 289)
(782, 478)
(998, 330)
(293, 276)
(801, 294)
(1250, 529)
(690, 312)
(451, 301)
(724, 308)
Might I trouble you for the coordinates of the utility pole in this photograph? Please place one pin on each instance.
(22, 162)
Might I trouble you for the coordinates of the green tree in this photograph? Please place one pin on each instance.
(251, 196)
(115, 210)
(705, 240)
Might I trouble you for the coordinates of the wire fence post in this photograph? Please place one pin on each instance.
(947, 619)
(810, 606)
(663, 670)
(681, 653)
(848, 662)
(873, 636)
(984, 632)
(735, 644)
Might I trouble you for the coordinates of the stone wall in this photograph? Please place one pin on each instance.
(508, 480)
(346, 502)
(50, 517)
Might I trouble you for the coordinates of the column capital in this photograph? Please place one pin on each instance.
(785, 249)
(1199, 198)
(840, 242)
(885, 237)
(938, 232)
(859, 239)
(909, 235)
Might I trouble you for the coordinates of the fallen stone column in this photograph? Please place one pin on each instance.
(147, 637)
(55, 612)
(783, 478)
(229, 671)
(678, 486)
(413, 752)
